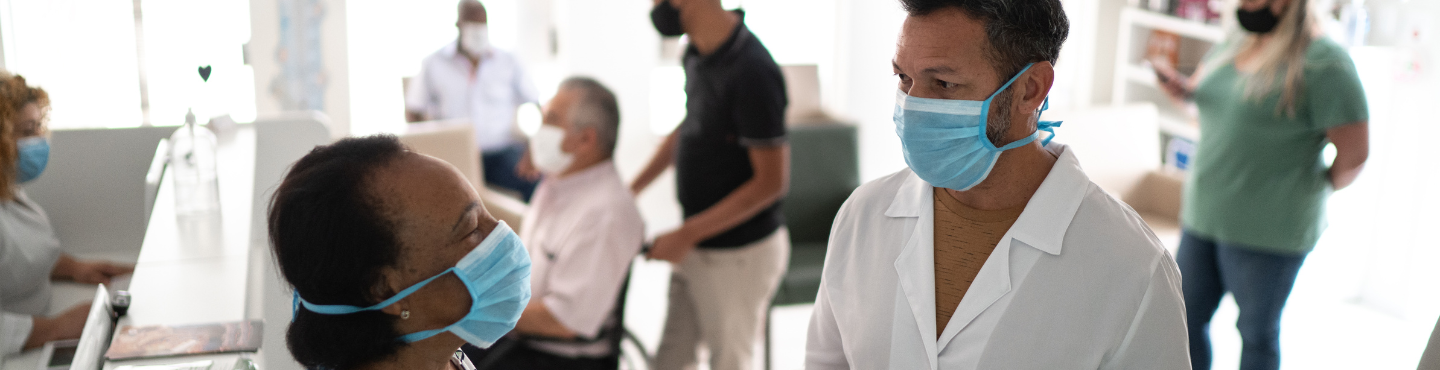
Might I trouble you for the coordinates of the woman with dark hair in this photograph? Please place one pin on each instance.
(394, 261)
(29, 251)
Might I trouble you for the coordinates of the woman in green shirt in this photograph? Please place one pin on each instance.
(1269, 100)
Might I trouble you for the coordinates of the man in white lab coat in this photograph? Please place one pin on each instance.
(993, 250)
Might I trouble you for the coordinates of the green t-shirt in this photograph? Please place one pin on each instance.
(1258, 179)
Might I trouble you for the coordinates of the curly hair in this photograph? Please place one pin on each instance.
(15, 94)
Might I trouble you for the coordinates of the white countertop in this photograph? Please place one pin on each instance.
(192, 271)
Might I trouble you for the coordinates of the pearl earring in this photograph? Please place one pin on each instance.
(405, 315)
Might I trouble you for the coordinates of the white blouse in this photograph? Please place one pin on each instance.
(28, 252)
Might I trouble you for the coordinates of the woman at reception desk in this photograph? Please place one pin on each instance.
(30, 253)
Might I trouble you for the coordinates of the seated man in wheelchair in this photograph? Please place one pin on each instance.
(582, 231)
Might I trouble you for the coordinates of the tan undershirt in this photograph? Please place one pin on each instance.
(964, 238)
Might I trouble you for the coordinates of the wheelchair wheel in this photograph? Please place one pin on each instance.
(633, 355)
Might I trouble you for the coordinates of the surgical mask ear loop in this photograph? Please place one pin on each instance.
(1047, 126)
(985, 115)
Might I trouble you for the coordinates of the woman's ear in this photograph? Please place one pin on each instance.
(385, 289)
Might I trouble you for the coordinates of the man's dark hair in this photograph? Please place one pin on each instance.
(331, 238)
(1020, 32)
(597, 108)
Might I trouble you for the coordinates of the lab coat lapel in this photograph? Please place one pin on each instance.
(991, 283)
(1042, 225)
(915, 264)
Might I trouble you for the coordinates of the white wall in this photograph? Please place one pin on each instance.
(865, 83)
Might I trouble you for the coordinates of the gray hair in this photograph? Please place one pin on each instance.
(596, 108)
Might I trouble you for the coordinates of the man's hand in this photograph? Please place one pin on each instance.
(67, 325)
(673, 246)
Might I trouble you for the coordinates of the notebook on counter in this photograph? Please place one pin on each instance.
(132, 342)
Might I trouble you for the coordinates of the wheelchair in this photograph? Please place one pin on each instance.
(627, 352)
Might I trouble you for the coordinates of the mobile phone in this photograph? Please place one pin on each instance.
(59, 354)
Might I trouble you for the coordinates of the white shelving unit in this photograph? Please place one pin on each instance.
(1135, 80)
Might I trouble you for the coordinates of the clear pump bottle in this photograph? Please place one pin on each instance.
(192, 166)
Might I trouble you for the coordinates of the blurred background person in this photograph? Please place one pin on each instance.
(1269, 101)
(394, 261)
(471, 79)
(732, 167)
(30, 253)
(582, 230)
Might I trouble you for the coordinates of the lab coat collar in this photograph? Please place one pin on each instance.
(1046, 217)
(1042, 225)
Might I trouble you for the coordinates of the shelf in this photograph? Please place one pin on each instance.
(1177, 25)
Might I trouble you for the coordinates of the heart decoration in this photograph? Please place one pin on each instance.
(205, 73)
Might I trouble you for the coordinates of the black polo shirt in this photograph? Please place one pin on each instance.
(735, 100)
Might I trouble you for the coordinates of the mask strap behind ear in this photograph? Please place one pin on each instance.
(339, 309)
(1012, 80)
(421, 335)
(1047, 126)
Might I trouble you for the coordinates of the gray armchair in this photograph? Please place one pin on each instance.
(824, 169)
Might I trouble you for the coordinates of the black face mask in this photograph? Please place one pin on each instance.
(666, 19)
(1259, 21)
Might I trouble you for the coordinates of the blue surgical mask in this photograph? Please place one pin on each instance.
(34, 155)
(945, 142)
(497, 274)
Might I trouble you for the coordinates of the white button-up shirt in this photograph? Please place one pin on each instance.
(450, 87)
(28, 251)
(1079, 282)
(582, 231)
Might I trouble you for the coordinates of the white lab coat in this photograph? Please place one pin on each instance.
(1079, 282)
(28, 251)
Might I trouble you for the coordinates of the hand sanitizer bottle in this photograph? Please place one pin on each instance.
(192, 165)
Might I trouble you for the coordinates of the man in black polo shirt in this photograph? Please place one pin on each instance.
(732, 168)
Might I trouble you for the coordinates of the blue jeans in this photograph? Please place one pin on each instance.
(500, 170)
(1261, 283)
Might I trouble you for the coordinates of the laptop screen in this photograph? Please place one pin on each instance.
(96, 335)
